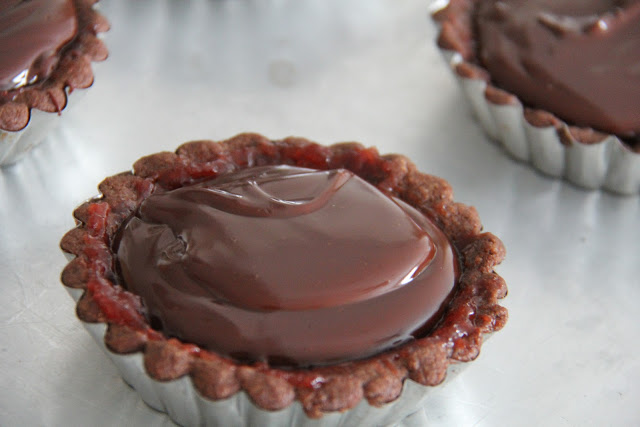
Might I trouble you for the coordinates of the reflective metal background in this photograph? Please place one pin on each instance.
(330, 70)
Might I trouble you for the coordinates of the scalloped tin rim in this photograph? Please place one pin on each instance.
(609, 165)
(185, 406)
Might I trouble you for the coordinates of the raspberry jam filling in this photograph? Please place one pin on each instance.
(32, 35)
(579, 59)
(288, 265)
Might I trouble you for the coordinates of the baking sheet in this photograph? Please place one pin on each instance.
(330, 70)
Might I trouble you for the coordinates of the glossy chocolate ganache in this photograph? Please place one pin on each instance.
(288, 265)
(579, 59)
(32, 35)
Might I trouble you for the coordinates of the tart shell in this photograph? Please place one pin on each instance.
(28, 113)
(378, 382)
(583, 156)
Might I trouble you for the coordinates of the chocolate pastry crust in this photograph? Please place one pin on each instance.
(472, 312)
(73, 71)
(457, 34)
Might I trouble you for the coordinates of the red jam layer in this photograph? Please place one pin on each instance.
(287, 265)
(32, 34)
(579, 59)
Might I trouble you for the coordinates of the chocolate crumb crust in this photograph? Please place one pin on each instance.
(473, 311)
(457, 35)
(73, 71)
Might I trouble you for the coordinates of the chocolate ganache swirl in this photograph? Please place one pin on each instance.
(579, 59)
(32, 34)
(288, 265)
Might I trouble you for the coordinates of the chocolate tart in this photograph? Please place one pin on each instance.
(31, 103)
(196, 386)
(575, 142)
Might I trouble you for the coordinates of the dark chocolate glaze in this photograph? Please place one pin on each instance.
(579, 59)
(289, 265)
(32, 34)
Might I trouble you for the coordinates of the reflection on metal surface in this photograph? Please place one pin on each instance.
(363, 70)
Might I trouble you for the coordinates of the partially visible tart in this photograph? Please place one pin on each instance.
(555, 82)
(46, 50)
(157, 261)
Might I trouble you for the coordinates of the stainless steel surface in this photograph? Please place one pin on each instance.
(330, 70)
